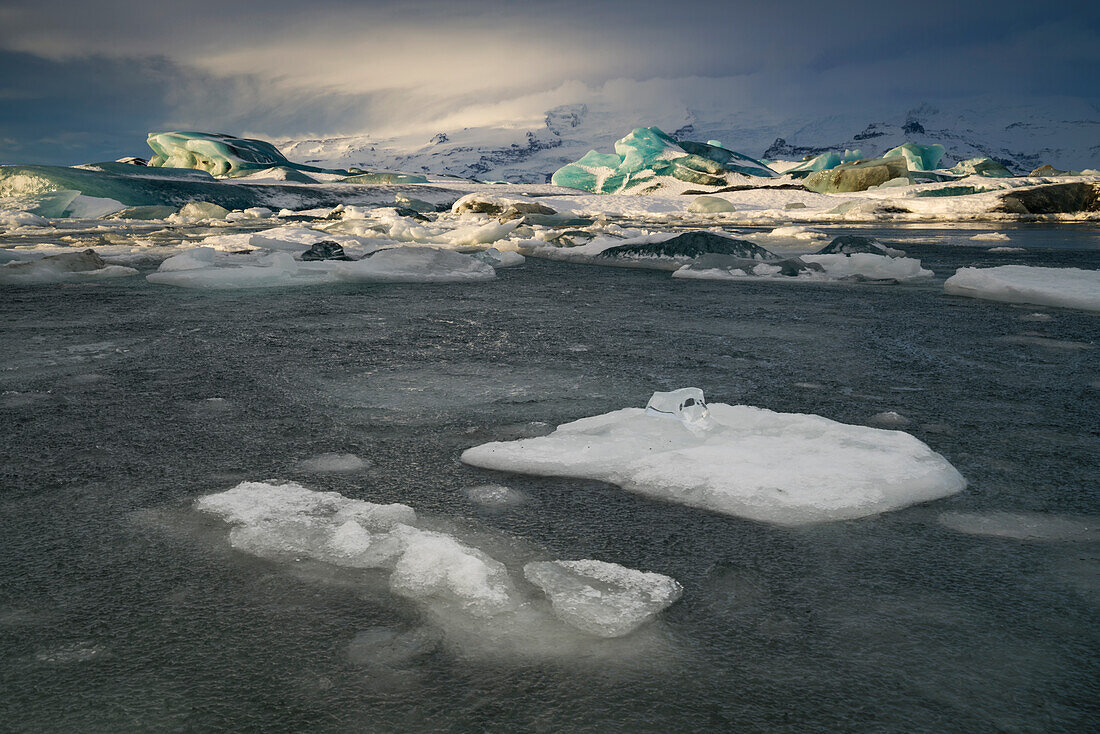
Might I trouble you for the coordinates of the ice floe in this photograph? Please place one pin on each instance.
(603, 599)
(66, 267)
(457, 582)
(782, 468)
(1065, 287)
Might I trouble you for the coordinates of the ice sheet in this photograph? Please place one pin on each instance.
(782, 468)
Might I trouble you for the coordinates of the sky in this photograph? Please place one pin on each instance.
(86, 81)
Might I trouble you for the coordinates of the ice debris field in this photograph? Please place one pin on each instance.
(450, 376)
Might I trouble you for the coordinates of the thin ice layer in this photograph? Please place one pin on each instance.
(782, 468)
(1065, 287)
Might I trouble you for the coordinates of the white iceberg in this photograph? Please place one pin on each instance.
(466, 590)
(867, 266)
(1065, 287)
(781, 468)
(602, 599)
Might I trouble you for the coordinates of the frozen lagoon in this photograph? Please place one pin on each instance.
(123, 401)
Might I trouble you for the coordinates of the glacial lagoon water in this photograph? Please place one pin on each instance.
(121, 609)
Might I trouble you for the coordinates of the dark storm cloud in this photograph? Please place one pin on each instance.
(93, 77)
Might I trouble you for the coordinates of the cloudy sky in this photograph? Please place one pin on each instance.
(86, 81)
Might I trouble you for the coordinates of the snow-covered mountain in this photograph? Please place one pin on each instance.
(1064, 133)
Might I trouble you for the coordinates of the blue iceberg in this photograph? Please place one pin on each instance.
(918, 157)
(220, 155)
(647, 155)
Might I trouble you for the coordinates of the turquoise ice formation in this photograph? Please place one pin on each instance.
(824, 162)
(646, 155)
(219, 155)
(918, 157)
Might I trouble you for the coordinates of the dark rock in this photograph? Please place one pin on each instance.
(143, 212)
(789, 267)
(523, 208)
(1048, 170)
(1068, 198)
(325, 250)
(405, 211)
(851, 244)
(857, 176)
(691, 245)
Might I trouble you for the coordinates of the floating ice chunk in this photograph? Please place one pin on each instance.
(1024, 526)
(991, 237)
(13, 219)
(865, 266)
(1065, 287)
(783, 468)
(254, 212)
(686, 405)
(252, 502)
(276, 520)
(1007, 250)
(494, 495)
(353, 546)
(277, 270)
(1036, 317)
(333, 463)
(436, 566)
(500, 259)
(415, 265)
(63, 268)
(710, 205)
(202, 210)
(92, 207)
(199, 257)
(602, 599)
(482, 234)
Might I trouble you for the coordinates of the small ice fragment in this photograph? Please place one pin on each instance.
(602, 599)
(494, 495)
(333, 463)
(436, 566)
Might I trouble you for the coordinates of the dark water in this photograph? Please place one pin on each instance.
(121, 402)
